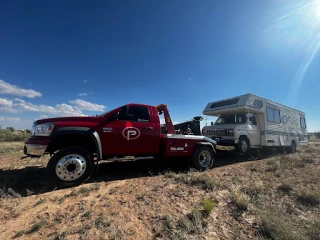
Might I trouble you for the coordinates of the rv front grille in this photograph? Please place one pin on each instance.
(217, 132)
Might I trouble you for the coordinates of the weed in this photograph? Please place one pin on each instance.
(254, 189)
(116, 233)
(19, 233)
(273, 225)
(95, 186)
(313, 230)
(240, 199)
(203, 180)
(285, 188)
(102, 223)
(87, 214)
(37, 226)
(84, 191)
(208, 205)
(40, 201)
(191, 223)
(274, 165)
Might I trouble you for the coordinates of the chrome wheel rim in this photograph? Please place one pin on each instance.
(204, 158)
(71, 167)
(244, 146)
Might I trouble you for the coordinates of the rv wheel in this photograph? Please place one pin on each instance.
(243, 145)
(292, 148)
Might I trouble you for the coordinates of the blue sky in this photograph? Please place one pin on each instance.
(62, 58)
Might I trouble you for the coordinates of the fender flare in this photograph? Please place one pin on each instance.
(81, 131)
(207, 144)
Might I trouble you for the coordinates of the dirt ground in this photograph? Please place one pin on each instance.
(263, 196)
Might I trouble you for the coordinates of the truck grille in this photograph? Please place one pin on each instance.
(217, 132)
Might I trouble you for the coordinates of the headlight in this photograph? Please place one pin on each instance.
(43, 129)
(230, 132)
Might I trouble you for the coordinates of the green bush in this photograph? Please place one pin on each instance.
(13, 136)
(208, 205)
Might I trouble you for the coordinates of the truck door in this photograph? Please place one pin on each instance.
(253, 131)
(131, 133)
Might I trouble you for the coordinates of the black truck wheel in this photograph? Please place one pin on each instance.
(70, 166)
(203, 158)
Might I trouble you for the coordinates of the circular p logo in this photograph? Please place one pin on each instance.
(131, 133)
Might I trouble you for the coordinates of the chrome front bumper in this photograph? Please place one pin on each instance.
(34, 149)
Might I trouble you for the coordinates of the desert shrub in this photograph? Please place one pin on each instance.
(285, 188)
(203, 180)
(273, 225)
(253, 189)
(208, 205)
(240, 199)
(313, 230)
(13, 136)
(309, 197)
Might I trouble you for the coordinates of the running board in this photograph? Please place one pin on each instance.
(129, 158)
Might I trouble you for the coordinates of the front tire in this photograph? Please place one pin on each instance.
(70, 166)
(203, 158)
(243, 146)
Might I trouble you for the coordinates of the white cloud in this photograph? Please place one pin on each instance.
(1, 118)
(82, 94)
(20, 105)
(75, 109)
(43, 116)
(6, 105)
(84, 105)
(5, 102)
(7, 88)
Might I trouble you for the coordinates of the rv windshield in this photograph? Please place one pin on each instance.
(232, 119)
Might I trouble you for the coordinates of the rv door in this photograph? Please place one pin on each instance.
(253, 130)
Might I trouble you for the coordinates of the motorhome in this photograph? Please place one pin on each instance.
(249, 121)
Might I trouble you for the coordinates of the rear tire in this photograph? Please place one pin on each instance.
(292, 148)
(70, 166)
(203, 158)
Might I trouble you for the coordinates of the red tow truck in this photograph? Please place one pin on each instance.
(75, 144)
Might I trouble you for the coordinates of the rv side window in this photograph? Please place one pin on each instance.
(273, 115)
(302, 122)
(284, 118)
(258, 103)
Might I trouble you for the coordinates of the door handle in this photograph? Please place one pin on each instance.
(148, 128)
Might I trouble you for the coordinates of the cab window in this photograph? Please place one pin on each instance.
(253, 120)
(138, 114)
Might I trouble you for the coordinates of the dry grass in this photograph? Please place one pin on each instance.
(11, 147)
(240, 199)
(203, 180)
(272, 198)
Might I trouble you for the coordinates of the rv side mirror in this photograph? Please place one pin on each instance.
(249, 115)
